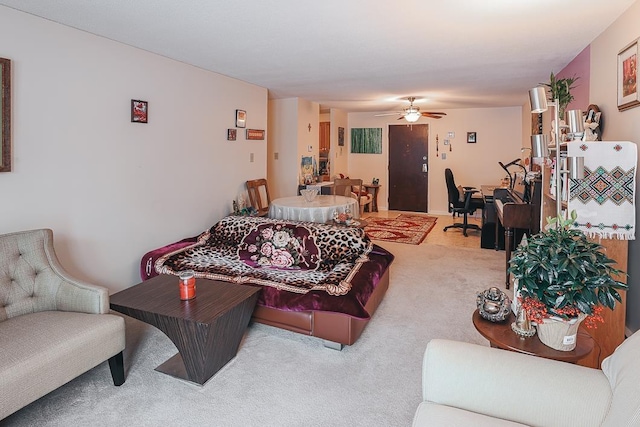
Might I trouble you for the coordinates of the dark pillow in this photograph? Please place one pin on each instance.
(281, 246)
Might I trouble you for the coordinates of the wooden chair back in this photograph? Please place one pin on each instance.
(259, 195)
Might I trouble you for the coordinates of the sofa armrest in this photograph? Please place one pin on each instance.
(513, 386)
(72, 294)
(82, 297)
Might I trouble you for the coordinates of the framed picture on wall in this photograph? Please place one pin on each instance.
(241, 118)
(341, 136)
(628, 77)
(255, 134)
(231, 134)
(471, 137)
(139, 111)
(366, 140)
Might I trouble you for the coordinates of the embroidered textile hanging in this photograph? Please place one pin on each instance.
(605, 199)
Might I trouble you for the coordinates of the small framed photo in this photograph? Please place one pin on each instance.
(471, 137)
(341, 136)
(231, 134)
(241, 118)
(628, 77)
(139, 111)
(255, 134)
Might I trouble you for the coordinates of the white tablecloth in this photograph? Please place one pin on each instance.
(320, 210)
(327, 186)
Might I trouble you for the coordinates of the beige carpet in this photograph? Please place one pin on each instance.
(280, 378)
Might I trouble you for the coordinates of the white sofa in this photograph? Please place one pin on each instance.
(470, 385)
(52, 326)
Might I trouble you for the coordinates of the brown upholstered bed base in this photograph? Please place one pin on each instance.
(336, 329)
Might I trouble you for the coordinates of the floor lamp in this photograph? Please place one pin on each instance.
(540, 146)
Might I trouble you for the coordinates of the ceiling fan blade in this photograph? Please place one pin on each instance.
(431, 116)
(401, 117)
(386, 114)
(433, 113)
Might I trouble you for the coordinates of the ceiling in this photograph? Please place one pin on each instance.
(357, 55)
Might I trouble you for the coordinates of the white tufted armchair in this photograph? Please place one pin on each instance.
(470, 385)
(52, 326)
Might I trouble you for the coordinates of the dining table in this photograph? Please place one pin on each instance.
(320, 209)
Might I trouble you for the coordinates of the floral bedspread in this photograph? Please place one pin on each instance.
(288, 255)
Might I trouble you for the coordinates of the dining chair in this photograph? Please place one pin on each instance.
(259, 195)
(352, 188)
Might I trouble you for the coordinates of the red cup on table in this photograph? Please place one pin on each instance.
(187, 284)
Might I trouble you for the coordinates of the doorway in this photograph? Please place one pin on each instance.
(408, 167)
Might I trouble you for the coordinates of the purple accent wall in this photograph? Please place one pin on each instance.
(580, 66)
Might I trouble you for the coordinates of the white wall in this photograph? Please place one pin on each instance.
(619, 125)
(111, 189)
(499, 138)
(526, 127)
(308, 131)
(293, 128)
(283, 136)
(339, 155)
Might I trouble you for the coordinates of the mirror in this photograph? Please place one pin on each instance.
(5, 108)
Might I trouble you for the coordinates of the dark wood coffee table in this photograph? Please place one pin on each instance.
(501, 336)
(207, 330)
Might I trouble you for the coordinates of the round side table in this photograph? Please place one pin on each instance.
(501, 336)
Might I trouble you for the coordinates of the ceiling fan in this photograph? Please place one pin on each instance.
(412, 113)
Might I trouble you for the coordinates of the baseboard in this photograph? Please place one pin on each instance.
(476, 215)
(439, 213)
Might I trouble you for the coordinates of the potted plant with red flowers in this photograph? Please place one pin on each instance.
(562, 279)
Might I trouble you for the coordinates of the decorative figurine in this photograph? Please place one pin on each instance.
(522, 326)
(493, 304)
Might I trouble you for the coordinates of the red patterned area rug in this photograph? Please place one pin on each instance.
(405, 228)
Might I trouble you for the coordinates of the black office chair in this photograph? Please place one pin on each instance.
(464, 205)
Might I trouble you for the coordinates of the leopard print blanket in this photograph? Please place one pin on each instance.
(288, 255)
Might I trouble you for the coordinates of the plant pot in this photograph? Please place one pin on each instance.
(560, 334)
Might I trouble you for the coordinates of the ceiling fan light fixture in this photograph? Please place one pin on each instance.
(412, 115)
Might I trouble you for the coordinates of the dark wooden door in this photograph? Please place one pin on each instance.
(408, 167)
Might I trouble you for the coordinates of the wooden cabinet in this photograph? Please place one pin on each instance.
(610, 334)
(325, 145)
(325, 138)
